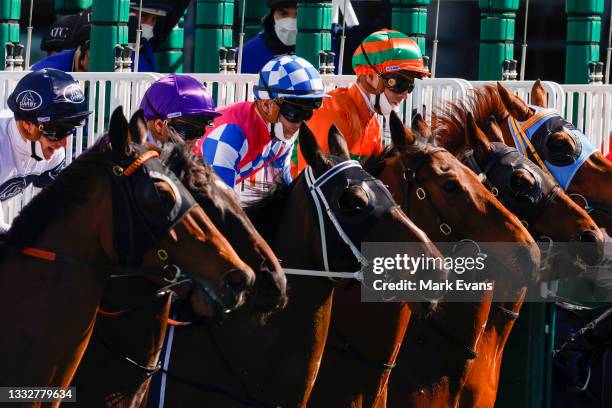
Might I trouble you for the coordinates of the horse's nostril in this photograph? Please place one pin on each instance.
(236, 279)
(592, 253)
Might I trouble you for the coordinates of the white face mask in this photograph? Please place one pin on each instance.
(286, 30)
(380, 102)
(147, 31)
(279, 132)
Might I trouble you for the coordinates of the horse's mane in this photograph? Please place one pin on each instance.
(375, 164)
(67, 192)
(451, 118)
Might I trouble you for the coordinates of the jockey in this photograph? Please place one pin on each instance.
(277, 38)
(386, 63)
(179, 102)
(46, 108)
(251, 135)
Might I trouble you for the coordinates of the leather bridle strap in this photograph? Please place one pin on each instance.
(410, 176)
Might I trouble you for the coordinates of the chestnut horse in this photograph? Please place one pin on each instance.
(116, 369)
(559, 148)
(242, 361)
(363, 336)
(116, 210)
(534, 197)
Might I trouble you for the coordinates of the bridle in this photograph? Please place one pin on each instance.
(410, 175)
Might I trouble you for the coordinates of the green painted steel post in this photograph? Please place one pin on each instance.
(497, 20)
(410, 17)
(63, 7)
(583, 36)
(10, 11)
(255, 11)
(314, 29)
(108, 28)
(214, 20)
(170, 54)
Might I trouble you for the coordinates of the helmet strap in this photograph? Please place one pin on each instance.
(33, 150)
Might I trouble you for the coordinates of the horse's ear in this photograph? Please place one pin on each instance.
(337, 143)
(421, 128)
(514, 105)
(538, 94)
(400, 135)
(494, 132)
(476, 138)
(138, 127)
(118, 130)
(310, 148)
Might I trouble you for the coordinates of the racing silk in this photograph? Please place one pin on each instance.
(348, 110)
(239, 145)
(17, 169)
(63, 60)
(255, 55)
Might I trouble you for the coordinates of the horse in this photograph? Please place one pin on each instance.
(356, 364)
(534, 197)
(581, 169)
(116, 210)
(116, 369)
(282, 356)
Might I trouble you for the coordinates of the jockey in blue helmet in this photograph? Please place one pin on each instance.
(251, 135)
(45, 108)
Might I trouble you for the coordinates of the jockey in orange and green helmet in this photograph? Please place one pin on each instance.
(387, 63)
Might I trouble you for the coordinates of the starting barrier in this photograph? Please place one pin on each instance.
(589, 107)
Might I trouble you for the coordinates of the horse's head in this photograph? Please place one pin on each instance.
(361, 206)
(165, 226)
(222, 206)
(449, 200)
(562, 147)
(531, 194)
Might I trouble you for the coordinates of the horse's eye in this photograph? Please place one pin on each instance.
(522, 182)
(353, 200)
(451, 186)
(165, 196)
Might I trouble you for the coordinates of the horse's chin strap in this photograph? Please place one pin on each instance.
(314, 186)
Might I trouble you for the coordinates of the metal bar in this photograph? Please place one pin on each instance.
(609, 49)
(29, 39)
(241, 40)
(138, 33)
(524, 45)
(434, 53)
(342, 40)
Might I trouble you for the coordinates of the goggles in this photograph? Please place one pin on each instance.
(297, 112)
(191, 128)
(398, 83)
(57, 131)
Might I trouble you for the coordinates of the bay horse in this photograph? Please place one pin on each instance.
(275, 362)
(534, 197)
(564, 151)
(365, 338)
(116, 210)
(116, 369)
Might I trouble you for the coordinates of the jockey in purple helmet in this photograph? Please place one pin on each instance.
(179, 102)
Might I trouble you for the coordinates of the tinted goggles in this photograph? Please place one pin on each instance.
(191, 129)
(297, 112)
(60, 130)
(398, 83)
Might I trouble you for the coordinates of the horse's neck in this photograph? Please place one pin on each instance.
(51, 303)
(146, 322)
